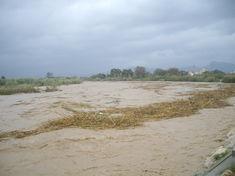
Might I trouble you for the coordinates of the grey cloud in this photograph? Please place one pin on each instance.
(80, 37)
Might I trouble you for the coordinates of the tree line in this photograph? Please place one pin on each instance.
(171, 74)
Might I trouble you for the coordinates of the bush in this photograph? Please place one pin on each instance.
(229, 78)
(27, 85)
(8, 90)
(2, 82)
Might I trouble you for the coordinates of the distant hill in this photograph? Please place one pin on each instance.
(223, 66)
(192, 68)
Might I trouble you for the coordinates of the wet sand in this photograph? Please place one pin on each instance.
(176, 146)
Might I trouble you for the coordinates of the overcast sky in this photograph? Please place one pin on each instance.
(81, 37)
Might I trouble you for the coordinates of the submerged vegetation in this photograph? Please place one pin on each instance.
(29, 85)
(171, 74)
(121, 118)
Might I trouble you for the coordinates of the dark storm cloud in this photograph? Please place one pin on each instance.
(74, 37)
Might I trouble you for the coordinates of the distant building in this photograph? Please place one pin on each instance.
(191, 73)
(199, 72)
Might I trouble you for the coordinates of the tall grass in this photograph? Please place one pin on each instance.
(29, 85)
(14, 89)
(41, 81)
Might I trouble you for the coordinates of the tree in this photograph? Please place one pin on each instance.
(115, 72)
(127, 73)
(3, 80)
(183, 73)
(217, 72)
(173, 71)
(99, 76)
(140, 72)
(49, 75)
(159, 72)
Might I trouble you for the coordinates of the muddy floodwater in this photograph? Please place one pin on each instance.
(173, 147)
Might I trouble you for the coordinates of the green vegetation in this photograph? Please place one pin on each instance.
(56, 81)
(229, 78)
(29, 85)
(12, 89)
(121, 118)
(171, 74)
(219, 156)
